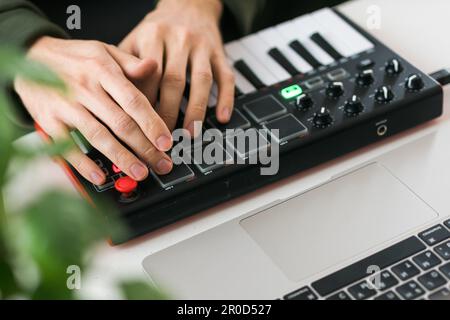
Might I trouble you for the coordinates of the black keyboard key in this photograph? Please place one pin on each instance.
(445, 269)
(426, 260)
(390, 295)
(245, 70)
(405, 270)
(237, 121)
(447, 223)
(301, 294)
(432, 280)
(237, 92)
(434, 235)
(383, 281)
(443, 294)
(443, 250)
(265, 108)
(326, 46)
(411, 290)
(305, 54)
(288, 126)
(362, 291)
(180, 173)
(342, 295)
(358, 270)
(279, 57)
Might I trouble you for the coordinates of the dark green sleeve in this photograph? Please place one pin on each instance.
(244, 12)
(21, 23)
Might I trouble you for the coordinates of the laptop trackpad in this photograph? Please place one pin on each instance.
(337, 221)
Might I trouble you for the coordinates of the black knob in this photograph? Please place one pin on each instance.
(394, 67)
(322, 119)
(414, 83)
(304, 102)
(365, 78)
(335, 89)
(384, 95)
(353, 106)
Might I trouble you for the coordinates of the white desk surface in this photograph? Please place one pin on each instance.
(416, 29)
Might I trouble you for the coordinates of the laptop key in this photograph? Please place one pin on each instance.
(342, 295)
(447, 223)
(180, 173)
(411, 290)
(383, 281)
(443, 250)
(265, 108)
(435, 235)
(432, 280)
(237, 121)
(302, 294)
(445, 269)
(362, 291)
(443, 294)
(426, 260)
(288, 126)
(390, 295)
(405, 270)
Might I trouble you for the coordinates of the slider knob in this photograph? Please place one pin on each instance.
(353, 106)
(335, 89)
(393, 67)
(322, 119)
(414, 83)
(384, 95)
(304, 102)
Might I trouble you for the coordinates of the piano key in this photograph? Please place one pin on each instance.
(305, 26)
(281, 42)
(340, 29)
(243, 86)
(304, 53)
(279, 57)
(259, 49)
(248, 73)
(237, 52)
(326, 46)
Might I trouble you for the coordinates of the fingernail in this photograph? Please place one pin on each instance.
(138, 171)
(164, 143)
(164, 166)
(97, 178)
(226, 114)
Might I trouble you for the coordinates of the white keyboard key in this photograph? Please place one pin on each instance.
(276, 39)
(259, 49)
(236, 51)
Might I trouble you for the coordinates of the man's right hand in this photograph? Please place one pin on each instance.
(102, 104)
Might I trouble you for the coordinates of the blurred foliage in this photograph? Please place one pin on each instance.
(57, 230)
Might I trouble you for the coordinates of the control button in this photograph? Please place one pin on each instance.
(304, 102)
(414, 83)
(365, 78)
(116, 169)
(237, 121)
(434, 235)
(314, 83)
(216, 161)
(265, 108)
(288, 126)
(410, 290)
(405, 270)
(426, 260)
(180, 173)
(365, 64)
(393, 67)
(335, 89)
(301, 294)
(384, 95)
(353, 106)
(322, 119)
(247, 143)
(291, 92)
(338, 74)
(126, 186)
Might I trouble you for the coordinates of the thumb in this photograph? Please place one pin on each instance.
(133, 67)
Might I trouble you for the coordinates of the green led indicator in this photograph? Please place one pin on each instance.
(291, 92)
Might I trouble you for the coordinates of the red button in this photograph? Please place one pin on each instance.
(116, 169)
(125, 185)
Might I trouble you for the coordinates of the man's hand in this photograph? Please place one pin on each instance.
(104, 105)
(178, 35)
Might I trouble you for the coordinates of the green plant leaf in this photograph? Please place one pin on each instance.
(137, 290)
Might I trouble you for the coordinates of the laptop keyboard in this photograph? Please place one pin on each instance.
(415, 268)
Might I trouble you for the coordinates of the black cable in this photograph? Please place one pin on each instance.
(442, 76)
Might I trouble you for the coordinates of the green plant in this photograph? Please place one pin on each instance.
(58, 229)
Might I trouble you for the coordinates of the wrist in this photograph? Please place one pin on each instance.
(213, 8)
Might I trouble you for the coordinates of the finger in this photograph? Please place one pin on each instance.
(81, 162)
(127, 130)
(133, 67)
(102, 140)
(224, 76)
(201, 82)
(135, 104)
(173, 83)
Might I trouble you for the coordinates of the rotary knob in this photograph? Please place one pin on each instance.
(127, 187)
(323, 118)
(353, 106)
(365, 78)
(304, 102)
(394, 67)
(335, 89)
(384, 95)
(414, 83)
